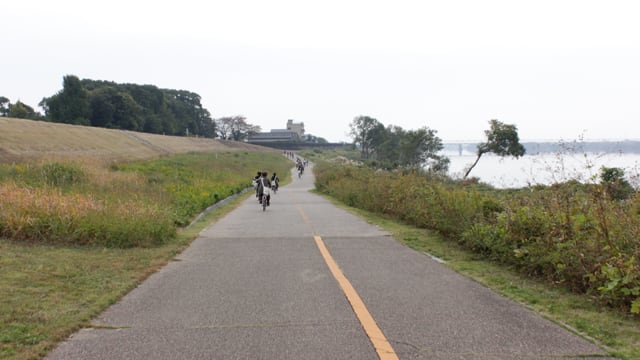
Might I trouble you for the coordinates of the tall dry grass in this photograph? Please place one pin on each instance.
(47, 215)
(120, 204)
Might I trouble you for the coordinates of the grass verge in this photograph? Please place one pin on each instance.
(617, 332)
(48, 292)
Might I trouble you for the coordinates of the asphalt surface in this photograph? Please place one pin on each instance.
(255, 286)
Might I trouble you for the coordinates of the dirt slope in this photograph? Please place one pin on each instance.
(27, 140)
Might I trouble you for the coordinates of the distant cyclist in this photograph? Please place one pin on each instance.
(275, 182)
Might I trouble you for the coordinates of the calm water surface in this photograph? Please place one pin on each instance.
(543, 169)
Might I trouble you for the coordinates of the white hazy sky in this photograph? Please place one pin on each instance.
(557, 69)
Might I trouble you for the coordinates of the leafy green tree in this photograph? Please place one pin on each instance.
(207, 124)
(614, 183)
(102, 107)
(112, 108)
(4, 106)
(419, 148)
(378, 138)
(130, 106)
(386, 143)
(127, 113)
(153, 106)
(392, 147)
(21, 110)
(189, 114)
(502, 140)
(362, 130)
(70, 105)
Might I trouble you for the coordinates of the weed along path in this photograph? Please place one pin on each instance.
(307, 280)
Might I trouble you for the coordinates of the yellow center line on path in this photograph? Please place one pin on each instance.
(377, 338)
(379, 341)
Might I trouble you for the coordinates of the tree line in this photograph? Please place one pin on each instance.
(393, 147)
(18, 110)
(144, 108)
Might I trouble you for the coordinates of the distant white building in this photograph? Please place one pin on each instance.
(293, 133)
(296, 127)
(274, 136)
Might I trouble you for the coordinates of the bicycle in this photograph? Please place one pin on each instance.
(265, 198)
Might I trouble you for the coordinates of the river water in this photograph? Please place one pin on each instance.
(544, 169)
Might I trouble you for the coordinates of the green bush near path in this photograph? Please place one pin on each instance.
(469, 225)
(616, 331)
(570, 234)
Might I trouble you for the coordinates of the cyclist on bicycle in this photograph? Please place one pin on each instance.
(255, 182)
(264, 182)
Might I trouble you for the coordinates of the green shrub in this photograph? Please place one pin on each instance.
(54, 174)
(59, 174)
(572, 234)
(616, 186)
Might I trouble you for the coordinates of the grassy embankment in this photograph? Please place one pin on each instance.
(567, 251)
(77, 234)
(26, 140)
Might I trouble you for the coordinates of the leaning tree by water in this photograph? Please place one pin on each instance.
(502, 140)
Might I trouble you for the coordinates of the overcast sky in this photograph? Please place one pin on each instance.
(556, 69)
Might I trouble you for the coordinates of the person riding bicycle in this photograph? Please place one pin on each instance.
(275, 181)
(255, 182)
(264, 182)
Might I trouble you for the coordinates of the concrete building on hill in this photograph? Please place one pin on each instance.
(296, 127)
(275, 135)
(291, 138)
(293, 133)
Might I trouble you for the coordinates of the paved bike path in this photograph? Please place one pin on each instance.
(255, 286)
